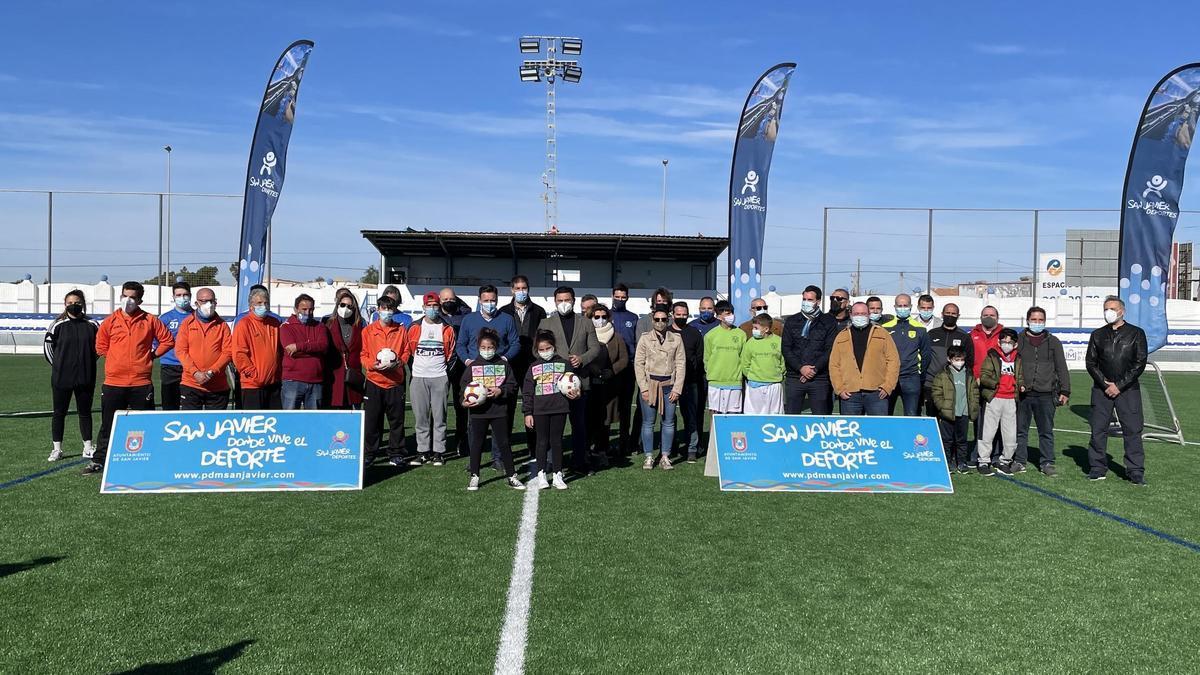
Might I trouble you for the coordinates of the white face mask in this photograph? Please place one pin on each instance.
(565, 308)
(599, 323)
(129, 304)
(958, 365)
(1110, 316)
(807, 306)
(487, 354)
(757, 332)
(345, 312)
(546, 354)
(1007, 347)
(859, 321)
(206, 310)
(728, 319)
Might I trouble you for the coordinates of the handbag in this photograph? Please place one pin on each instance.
(354, 378)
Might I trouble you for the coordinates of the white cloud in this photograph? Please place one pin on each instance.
(1011, 49)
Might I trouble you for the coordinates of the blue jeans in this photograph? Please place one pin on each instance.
(668, 423)
(307, 395)
(864, 403)
(908, 390)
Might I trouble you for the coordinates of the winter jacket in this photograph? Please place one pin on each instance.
(993, 382)
(1117, 355)
(256, 351)
(813, 349)
(375, 338)
(495, 372)
(539, 393)
(983, 344)
(912, 345)
(942, 393)
(881, 365)
(70, 349)
(312, 343)
(693, 351)
(942, 339)
(1045, 365)
(126, 343)
(526, 330)
(203, 346)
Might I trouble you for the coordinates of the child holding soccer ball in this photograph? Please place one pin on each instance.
(491, 373)
(385, 346)
(547, 407)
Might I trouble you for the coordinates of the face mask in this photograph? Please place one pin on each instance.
(958, 365)
(303, 317)
(1110, 316)
(706, 315)
(487, 354)
(949, 321)
(182, 301)
(75, 309)
(619, 305)
(385, 316)
(565, 308)
(448, 306)
(1007, 347)
(757, 333)
(875, 317)
(546, 354)
(488, 308)
(431, 313)
(346, 312)
(728, 319)
(260, 311)
(130, 304)
(836, 303)
(759, 312)
(903, 312)
(521, 296)
(925, 314)
(807, 306)
(599, 323)
(1037, 328)
(206, 310)
(659, 326)
(859, 321)
(680, 322)
(989, 322)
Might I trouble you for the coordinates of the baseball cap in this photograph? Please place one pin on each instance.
(431, 297)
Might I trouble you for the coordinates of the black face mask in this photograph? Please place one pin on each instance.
(681, 322)
(75, 309)
(449, 306)
(949, 321)
(836, 304)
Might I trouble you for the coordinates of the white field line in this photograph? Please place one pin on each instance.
(510, 659)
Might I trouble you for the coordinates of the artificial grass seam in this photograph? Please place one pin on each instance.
(25, 479)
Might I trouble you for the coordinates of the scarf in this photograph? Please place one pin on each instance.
(605, 334)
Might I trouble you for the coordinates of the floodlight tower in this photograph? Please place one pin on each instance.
(550, 70)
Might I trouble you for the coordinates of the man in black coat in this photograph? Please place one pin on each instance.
(689, 398)
(807, 341)
(1116, 357)
(527, 314)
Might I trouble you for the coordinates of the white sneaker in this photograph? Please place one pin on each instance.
(648, 464)
(664, 463)
(473, 485)
(515, 483)
(88, 450)
(55, 455)
(559, 483)
(540, 482)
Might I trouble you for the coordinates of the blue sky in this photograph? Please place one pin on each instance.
(411, 115)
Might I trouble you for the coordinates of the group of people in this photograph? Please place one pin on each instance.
(586, 362)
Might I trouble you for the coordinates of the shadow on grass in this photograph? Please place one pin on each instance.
(1079, 453)
(206, 663)
(12, 568)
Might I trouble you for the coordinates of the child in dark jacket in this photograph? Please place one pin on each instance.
(546, 408)
(493, 372)
(956, 398)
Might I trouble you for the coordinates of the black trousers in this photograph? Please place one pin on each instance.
(597, 413)
(954, 439)
(113, 399)
(263, 398)
(479, 430)
(626, 385)
(169, 379)
(379, 403)
(460, 442)
(1036, 407)
(1128, 405)
(579, 433)
(83, 410)
(550, 440)
(818, 393)
(198, 399)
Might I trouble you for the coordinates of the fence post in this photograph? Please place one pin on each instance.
(1036, 263)
(161, 275)
(825, 252)
(49, 253)
(929, 256)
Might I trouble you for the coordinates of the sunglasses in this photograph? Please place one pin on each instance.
(660, 320)
(759, 307)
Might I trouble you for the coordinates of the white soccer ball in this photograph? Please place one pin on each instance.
(385, 357)
(569, 384)
(474, 394)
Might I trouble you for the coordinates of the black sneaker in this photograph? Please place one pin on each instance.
(91, 468)
(691, 458)
(1097, 476)
(1018, 467)
(1004, 469)
(963, 468)
(497, 465)
(986, 470)
(1137, 479)
(1048, 471)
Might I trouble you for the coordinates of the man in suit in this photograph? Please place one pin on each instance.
(528, 315)
(576, 339)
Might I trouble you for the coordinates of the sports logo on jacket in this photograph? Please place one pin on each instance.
(134, 441)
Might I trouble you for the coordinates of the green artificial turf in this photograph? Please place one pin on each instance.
(635, 571)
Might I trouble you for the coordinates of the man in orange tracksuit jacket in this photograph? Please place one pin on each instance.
(204, 346)
(257, 356)
(384, 394)
(126, 341)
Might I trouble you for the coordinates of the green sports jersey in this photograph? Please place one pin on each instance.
(762, 359)
(723, 356)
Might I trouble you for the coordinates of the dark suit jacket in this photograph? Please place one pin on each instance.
(534, 315)
(583, 342)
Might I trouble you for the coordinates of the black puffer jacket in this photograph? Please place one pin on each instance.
(1117, 355)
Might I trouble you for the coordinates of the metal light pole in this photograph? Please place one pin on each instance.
(664, 210)
(168, 149)
(549, 70)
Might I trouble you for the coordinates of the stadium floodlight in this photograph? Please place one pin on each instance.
(572, 73)
(572, 46)
(530, 45)
(530, 73)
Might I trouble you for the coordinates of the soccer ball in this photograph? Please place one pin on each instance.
(569, 384)
(385, 357)
(474, 394)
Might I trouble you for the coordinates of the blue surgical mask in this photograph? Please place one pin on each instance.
(757, 333)
(183, 301)
(260, 311)
(303, 317)
(487, 354)
(1037, 328)
(860, 321)
(807, 306)
(487, 307)
(875, 317)
(432, 313)
(925, 314)
(706, 315)
(903, 312)
(521, 296)
(385, 315)
(546, 354)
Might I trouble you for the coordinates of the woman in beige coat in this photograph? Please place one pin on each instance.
(659, 365)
